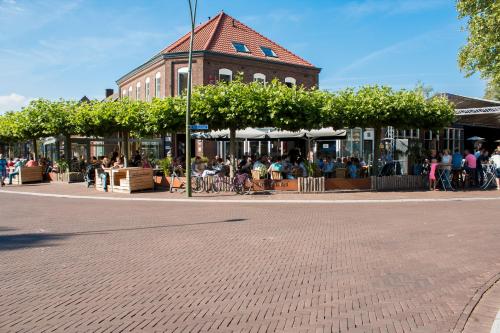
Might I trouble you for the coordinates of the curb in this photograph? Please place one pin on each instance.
(473, 303)
(250, 201)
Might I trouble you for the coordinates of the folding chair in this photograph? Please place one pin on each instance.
(489, 176)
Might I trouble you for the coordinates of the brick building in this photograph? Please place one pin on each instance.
(223, 47)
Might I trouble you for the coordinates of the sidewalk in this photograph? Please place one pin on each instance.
(81, 190)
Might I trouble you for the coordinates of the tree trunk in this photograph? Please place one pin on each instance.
(232, 152)
(377, 137)
(34, 149)
(67, 148)
(125, 149)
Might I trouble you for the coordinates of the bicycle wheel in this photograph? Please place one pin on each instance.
(216, 184)
(197, 184)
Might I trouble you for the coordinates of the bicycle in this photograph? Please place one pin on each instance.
(196, 183)
(236, 184)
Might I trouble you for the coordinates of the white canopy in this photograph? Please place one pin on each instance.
(272, 134)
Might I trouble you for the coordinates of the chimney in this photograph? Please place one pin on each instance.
(109, 92)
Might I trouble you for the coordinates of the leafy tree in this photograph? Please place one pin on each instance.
(294, 108)
(492, 91)
(234, 106)
(162, 116)
(481, 53)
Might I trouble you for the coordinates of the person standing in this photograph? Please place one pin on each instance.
(3, 170)
(471, 164)
(495, 159)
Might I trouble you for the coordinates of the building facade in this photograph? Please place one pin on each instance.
(223, 48)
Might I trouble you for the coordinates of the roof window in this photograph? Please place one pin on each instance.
(268, 52)
(240, 47)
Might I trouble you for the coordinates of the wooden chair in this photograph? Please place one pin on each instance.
(256, 174)
(340, 173)
(276, 175)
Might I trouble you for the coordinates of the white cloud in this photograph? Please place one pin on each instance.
(12, 102)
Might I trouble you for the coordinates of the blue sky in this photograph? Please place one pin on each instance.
(67, 49)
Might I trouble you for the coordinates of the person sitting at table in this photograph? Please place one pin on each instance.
(31, 163)
(118, 164)
(105, 164)
(328, 167)
(197, 167)
(300, 164)
(145, 163)
(276, 166)
(352, 168)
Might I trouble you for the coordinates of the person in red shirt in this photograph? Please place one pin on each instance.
(32, 163)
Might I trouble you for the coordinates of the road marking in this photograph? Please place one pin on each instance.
(250, 201)
(495, 328)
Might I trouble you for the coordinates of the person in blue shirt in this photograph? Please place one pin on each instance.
(456, 168)
(3, 170)
(456, 160)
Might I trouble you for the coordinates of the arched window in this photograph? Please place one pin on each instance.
(157, 84)
(124, 93)
(182, 80)
(138, 91)
(225, 75)
(130, 92)
(290, 81)
(259, 77)
(148, 91)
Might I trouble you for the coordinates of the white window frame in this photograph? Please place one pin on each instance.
(138, 91)
(148, 89)
(158, 85)
(259, 77)
(130, 92)
(182, 70)
(225, 71)
(291, 80)
(124, 92)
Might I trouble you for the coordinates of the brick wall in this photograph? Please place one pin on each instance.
(206, 70)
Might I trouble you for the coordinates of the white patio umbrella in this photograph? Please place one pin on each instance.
(475, 138)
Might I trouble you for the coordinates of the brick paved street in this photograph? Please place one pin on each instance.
(102, 266)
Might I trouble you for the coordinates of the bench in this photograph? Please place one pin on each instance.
(30, 175)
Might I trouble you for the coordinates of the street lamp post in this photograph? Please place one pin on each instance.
(192, 11)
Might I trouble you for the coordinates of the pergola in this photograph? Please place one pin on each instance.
(483, 117)
(476, 112)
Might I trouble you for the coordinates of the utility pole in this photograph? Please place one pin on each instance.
(192, 11)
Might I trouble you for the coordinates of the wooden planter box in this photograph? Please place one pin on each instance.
(398, 183)
(335, 184)
(30, 175)
(66, 177)
(275, 185)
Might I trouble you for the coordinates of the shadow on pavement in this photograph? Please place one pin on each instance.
(21, 241)
(3, 229)
(102, 231)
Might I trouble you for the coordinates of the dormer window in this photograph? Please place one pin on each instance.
(268, 52)
(240, 47)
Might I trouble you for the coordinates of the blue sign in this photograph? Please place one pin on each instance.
(198, 127)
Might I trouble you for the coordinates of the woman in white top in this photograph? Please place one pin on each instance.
(495, 159)
(446, 166)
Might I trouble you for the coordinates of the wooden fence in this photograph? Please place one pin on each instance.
(311, 184)
(398, 183)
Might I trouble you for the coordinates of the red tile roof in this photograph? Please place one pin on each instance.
(218, 34)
